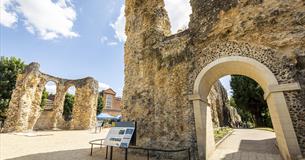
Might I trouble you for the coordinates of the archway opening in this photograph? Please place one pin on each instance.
(236, 65)
(69, 103)
(46, 106)
(241, 120)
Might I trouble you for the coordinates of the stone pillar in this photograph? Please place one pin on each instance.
(20, 107)
(146, 16)
(58, 105)
(204, 127)
(85, 103)
(36, 109)
(282, 124)
(146, 24)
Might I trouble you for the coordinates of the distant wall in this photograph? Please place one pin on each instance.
(24, 108)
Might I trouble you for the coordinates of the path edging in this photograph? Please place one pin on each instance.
(223, 138)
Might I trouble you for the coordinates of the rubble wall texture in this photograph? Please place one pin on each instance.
(44, 121)
(160, 68)
(222, 113)
(24, 108)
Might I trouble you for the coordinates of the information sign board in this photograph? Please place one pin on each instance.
(119, 136)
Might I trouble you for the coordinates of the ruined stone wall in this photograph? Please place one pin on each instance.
(44, 121)
(82, 99)
(24, 108)
(160, 69)
(21, 100)
(222, 113)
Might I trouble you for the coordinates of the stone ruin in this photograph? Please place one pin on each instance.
(168, 76)
(223, 115)
(24, 110)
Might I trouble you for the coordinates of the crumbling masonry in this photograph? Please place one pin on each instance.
(24, 108)
(244, 36)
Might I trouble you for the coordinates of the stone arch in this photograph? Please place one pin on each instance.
(43, 122)
(47, 81)
(69, 86)
(285, 134)
(24, 107)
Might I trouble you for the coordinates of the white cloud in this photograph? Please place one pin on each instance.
(119, 26)
(178, 12)
(103, 39)
(7, 17)
(112, 43)
(48, 18)
(102, 86)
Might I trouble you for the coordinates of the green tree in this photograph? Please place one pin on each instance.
(10, 67)
(68, 107)
(232, 102)
(99, 108)
(249, 99)
(44, 97)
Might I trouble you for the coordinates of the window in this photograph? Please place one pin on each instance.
(108, 101)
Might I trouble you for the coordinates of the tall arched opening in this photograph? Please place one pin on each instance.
(285, 134)
(46, 106)
(69, 103)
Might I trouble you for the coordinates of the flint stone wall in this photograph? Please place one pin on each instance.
(160, 68)
(24, 108)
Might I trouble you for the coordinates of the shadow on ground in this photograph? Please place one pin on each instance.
(255, 150)
(84, 154)
(66, 155)
(259, 146)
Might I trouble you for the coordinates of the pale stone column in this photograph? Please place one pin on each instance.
(282, 124)
(204, 127)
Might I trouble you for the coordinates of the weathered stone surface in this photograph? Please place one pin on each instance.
(160, 69)
(222, 113)
(24, 108)
(44, 121)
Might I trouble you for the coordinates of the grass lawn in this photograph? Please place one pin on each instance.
(221, 132)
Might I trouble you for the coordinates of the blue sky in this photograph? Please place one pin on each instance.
(74, 39)
(87, 54)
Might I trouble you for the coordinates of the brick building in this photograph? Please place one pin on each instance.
(112, 104)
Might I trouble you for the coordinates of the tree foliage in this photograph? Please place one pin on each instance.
(10, 67)
(44, 97)
(249, 100)
(99, 108)
(68, 107)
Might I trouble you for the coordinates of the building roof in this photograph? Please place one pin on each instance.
(109, 91)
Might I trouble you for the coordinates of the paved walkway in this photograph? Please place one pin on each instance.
(248, 144)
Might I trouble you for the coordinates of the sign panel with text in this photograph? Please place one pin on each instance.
(119, 136)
